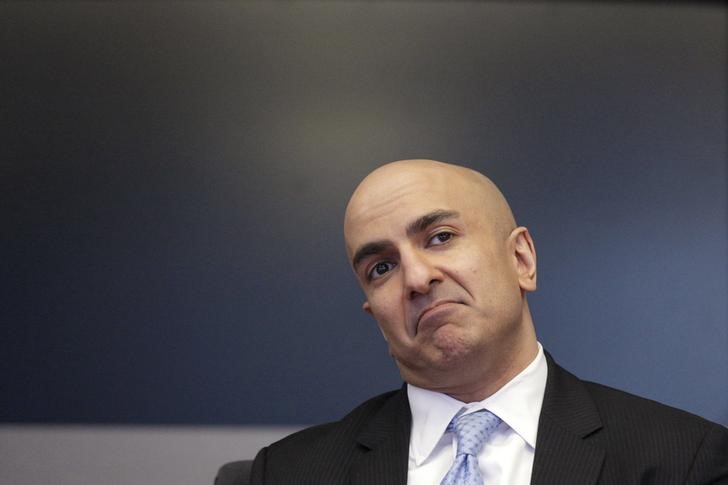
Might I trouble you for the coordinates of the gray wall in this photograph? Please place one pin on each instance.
(125, 455)
(174, 177)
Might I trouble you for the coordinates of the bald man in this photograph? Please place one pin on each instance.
(445, 271)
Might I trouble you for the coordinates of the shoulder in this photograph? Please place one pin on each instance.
(685, 444)
(344, 429)
(628, 411)
(644, 438)
(324, 453)
(615, 402)
(615, 407)
(640, 437)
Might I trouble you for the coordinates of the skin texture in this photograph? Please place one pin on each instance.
(445, 272)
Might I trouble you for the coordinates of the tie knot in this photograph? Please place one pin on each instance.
(473, 429)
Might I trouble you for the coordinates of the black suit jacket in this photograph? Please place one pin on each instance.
(587, 434)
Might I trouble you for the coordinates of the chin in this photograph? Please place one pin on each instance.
(445, 349)
(451, 352)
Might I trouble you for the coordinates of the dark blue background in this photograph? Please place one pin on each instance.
(174, 178)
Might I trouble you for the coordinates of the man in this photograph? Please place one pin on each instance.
(445, 271)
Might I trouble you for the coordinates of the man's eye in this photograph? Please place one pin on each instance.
(380, 269)
(440, 238)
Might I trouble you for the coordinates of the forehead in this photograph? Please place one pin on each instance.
(386, 203)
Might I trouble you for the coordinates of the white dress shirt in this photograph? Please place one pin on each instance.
(506, 457)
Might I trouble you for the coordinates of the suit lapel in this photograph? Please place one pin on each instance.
(385, 445)
(564, 454)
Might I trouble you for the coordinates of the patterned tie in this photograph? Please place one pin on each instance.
(471, 431)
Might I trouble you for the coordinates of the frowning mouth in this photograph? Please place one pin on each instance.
(432, 309)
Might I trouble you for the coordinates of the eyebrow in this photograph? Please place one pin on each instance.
(369, 249)
(415, 227)
(422, 223)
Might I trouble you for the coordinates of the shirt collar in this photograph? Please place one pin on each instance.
(517, 403)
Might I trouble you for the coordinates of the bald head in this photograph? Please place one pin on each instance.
(445, 271)
(394, 181)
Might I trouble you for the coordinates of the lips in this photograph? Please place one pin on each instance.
(432, 307)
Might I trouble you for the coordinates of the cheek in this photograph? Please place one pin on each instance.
(488, 280)
(379, 306)
(387, 311)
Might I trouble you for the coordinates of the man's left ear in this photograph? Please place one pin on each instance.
(524, 253)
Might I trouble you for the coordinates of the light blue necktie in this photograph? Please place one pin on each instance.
(471, 431)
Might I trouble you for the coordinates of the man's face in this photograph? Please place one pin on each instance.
(439, 268)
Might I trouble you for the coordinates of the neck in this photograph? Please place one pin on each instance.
(498, 375)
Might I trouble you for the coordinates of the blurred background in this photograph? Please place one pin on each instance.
(175, 291)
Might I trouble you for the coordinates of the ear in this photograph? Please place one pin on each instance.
(368, 308)
(524, 253)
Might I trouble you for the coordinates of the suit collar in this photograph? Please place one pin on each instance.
(564, 453)
(568, 417)
(385, 444)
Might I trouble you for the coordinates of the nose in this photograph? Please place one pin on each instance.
(420, 273)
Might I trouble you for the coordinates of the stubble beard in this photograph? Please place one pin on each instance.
(449, 355)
